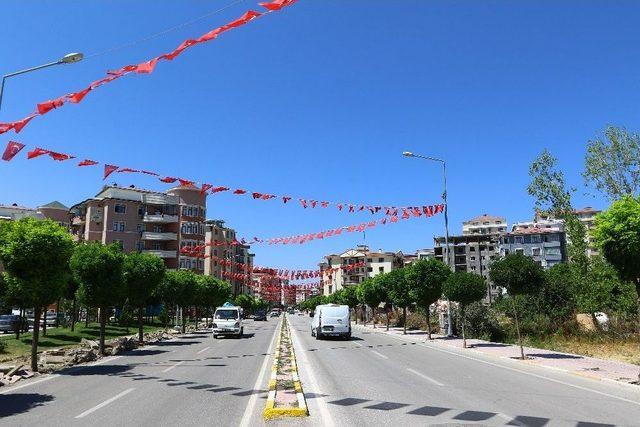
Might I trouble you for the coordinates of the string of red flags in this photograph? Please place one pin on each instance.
(145, 67)
(13, 148)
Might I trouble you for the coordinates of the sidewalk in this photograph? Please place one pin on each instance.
(590, 367)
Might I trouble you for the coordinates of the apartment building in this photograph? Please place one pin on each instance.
(547, 246)
(220, 246)
(337, 273)
(484, 224)
(146, 221)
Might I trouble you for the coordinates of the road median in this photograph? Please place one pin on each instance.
(286, 397)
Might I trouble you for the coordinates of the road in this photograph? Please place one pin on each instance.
(374, 379)
(377, 379)
(191, 381)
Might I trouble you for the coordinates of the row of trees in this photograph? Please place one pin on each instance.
(43, 264)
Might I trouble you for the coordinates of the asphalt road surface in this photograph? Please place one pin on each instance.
(377, 379)
(194, 380)
(371, 380)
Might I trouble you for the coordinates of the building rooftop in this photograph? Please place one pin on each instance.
(485, 218)
(55, 205)
(533, 230)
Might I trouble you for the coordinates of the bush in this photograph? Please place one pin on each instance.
(3, 346)
(482, 323)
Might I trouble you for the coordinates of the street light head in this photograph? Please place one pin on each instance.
(70, 58)
(407, 153)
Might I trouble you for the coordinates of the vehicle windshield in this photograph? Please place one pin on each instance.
(226, 314)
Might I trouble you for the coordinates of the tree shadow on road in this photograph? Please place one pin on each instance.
(16, 403)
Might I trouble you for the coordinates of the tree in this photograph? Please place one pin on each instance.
(246, 302)
(349, 296)
(603, 290)
(612, 163)
(143, 273)
(426, 278)
(384, 281)
(519, 275)
(211, 292)
(557, 297)
(399, 292)
(70, 293)
(179, 288)
(35, 254)
(464, 288)
(549, 189)
(99, 270)
(372, 293)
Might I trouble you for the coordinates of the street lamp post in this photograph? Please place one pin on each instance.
(67, 59)
(446, 221)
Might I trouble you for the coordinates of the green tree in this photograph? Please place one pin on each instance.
(603, 290)
(349, 296)
(211, 292)
(179, 288)
(399, 292)
(464, 288)
(612, 163)
(143, 273)
(372, 293)
(70, 293)
(99, 270)
(246, 302)
(557, 297)
(426, 278)
(551, 195)
(35, 254)
(519, 275)
(384, 281)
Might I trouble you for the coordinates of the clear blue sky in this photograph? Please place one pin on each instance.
(319, 100)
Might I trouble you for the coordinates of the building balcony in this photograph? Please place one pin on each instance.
(161, 218)
(150, 235)
(160, 253)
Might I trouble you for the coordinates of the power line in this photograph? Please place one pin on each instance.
(161, 33)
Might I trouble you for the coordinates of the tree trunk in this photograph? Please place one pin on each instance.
(464, 337)
(73, 315)
(184, 324)
(44, 324)
(19, 325)
(140, 329)
(428, 324)
(103, 321)
(515, 313)
(404, 320)
(34, 338)
(364, 315)
(86, 317)
(57, 313)
(355, 312)
(196, 318)
(387, 310)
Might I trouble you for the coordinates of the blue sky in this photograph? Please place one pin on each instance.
(319, 101)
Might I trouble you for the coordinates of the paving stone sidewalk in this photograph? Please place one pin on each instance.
(591, 367)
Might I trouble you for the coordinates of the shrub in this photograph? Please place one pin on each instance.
(3, 346)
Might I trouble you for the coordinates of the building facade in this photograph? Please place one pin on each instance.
(145, 221)
(484, 224)
(354, 266)
(223, 254)
(546, 246)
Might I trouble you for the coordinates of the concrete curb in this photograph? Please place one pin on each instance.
(270, 411)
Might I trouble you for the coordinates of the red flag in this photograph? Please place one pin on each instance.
(108, 170)
(127, 170)
(45, 107)
(147, 67)
(337, 231)
(76, 97)
(168, 179)
(239, 191)
(351, 228)
(439, 209)
(185, 182)
(36, 152)
(256, 195)
(150, 173)
(11, 150)
(362, 226)
(340, 207)
(314, 203)
(87, 162)
(371, 224)
(17, 126)
(324, 204)
(427, 210)
(60, 156)
(205, 188)
(276, 4)
(285, 199)
(351, 208)
(303, 202)
(394, 218)
(219, 189)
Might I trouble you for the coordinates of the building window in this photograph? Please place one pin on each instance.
(369, 269)
(518, 239)
(120, 208)
(139, 227)
(473, 258)
(139, 246)
(369, 260)
(520, 251)
(140, 210)
(118, 226)
(380, 259)
(535, 251)
(380, 269)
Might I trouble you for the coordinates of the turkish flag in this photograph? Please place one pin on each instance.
(185, 182)
(147, 67)
(219, 189)
(17, 126)
(36, 152)
(205, 188)
(127, 170)
(277, 4)
(108, 170)
(256, 195)
(76, 97)
(285, 199)
(11, 150)
(45, 107)
(239, 191)
(168, 179)
(439, 209)
(60, 156)
(87, 162)
(150, 173)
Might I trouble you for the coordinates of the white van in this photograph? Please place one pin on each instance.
(331, 320)
(227, 321)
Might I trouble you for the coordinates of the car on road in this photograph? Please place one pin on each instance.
(9, 323)
(331, 320)
(227, 321)
(260, 315)
(274, 313)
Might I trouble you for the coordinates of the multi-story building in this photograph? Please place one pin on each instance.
(475, 249)
(338, 271)
(547, 246)
(484, 224)
(586, 215)
(418, 255)
(222, 247)
(146, 221)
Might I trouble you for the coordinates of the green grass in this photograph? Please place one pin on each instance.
(63, 337)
